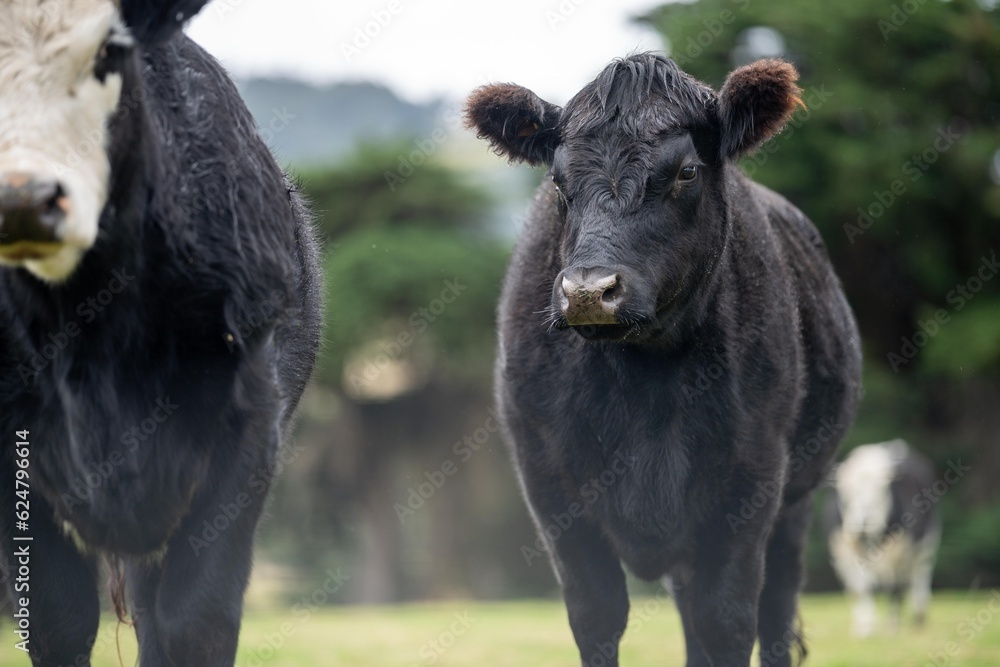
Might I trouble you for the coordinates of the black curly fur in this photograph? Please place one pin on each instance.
(643, 435)
(153, 21)
(755, 103)
(206, 344)
(517, 123)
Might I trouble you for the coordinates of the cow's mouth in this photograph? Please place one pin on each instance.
(633, 330)
(23, 252)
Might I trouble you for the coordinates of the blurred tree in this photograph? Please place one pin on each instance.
(897, 160)
(413, 273)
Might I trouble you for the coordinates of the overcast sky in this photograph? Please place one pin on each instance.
(427, 48)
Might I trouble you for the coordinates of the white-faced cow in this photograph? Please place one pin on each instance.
(885, 529)
(648, 259)
(159, 318)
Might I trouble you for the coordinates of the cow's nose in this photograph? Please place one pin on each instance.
(591, 296)
(31, 210)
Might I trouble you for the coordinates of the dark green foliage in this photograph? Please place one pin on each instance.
(393, 248)
(976, 542)
(413, 271)
(877, 97)
(892, 160)
(390, 284)
(368, 190)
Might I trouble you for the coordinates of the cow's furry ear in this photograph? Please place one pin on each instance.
(153, 21)
(755, 103)
(517, 123)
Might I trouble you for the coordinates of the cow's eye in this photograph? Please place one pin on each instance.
(112, 55)
(688, 173)
(559, 190)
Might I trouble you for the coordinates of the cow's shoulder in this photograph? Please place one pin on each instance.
(788, 221)
(801, 244)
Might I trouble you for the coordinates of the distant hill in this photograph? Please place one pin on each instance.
(310, 125)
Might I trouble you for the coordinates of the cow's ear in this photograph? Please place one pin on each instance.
(755, 103)
(153, 21)
(517, 123)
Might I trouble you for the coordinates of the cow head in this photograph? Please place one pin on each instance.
(864, 490)
(65, 66)
(638, 164)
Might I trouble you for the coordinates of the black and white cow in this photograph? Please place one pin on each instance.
(159, 318)
(884, 529)
(677, 360)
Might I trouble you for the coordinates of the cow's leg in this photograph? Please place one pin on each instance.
(724, 586)
(779, 638)
(854, 569)
(863, 613)
(62, 596)
(920, 582)
(723, 610)
(595, 592)
(188, 605)
(591, 576)
(696, 656)
(896, 592)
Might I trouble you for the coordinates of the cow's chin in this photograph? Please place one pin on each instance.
(49, 263)
(58, 267)
(607, 332)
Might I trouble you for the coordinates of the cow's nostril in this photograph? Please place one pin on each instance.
(54, 200)
(612, 292)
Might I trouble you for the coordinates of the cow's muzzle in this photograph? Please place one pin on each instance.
(590, 295)
(33, 213)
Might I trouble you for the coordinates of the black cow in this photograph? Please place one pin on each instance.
(159, 318)
(677, 360)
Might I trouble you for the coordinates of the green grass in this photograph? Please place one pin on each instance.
(536, 633)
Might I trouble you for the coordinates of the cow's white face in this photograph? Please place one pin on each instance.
(59, 87)
(863, 487)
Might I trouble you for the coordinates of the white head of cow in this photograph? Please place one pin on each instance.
(58, 91)
(61, 82)
(863, 485)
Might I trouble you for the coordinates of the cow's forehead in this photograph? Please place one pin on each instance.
(868, 469)
(643, 123)
(50, 29)
(55, 12)
(640, 96)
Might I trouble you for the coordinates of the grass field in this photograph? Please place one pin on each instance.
(964, 629)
